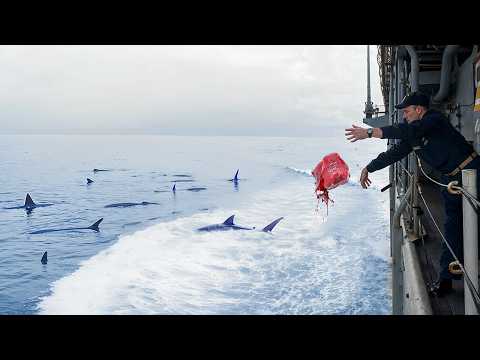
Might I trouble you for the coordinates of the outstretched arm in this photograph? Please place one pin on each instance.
(414, 130)
(392, 155)
(358, 133)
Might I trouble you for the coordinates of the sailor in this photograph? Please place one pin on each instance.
(430, 134)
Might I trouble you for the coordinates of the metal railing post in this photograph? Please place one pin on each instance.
(470, 238)
(397, 239)
(393, 181)
(416, 218)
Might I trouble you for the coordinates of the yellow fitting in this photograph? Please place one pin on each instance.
(450, 189)
(454, 268)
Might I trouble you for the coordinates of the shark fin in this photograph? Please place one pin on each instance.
(89, 181)
(95, 226)
(270, 227)
(29, 204)
(174, 187)
(44, 258)
(235, 178)
(229, 221)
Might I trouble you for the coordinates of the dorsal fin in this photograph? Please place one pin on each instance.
(229, 221)
(44, 258)
(236, 176)
(95, 226)
(29, 204)
(270, 226)
(174, 187)
(89, 181)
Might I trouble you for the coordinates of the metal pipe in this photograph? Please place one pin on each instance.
(391, 172)
(391, 98)
(401, 208)
(397, 275)
(470, 236)
(414, 67)
(369, 97)
(400, 93)
(369, 110)
(391, 177)
(397, 239)
(399, 72)
(447, 57)
(417, 300)
(415, 207)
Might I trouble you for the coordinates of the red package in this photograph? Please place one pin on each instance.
(329, 173)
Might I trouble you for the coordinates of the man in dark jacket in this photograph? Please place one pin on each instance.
(431, 135)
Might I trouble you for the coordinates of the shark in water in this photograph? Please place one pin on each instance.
(196, 189)
(235, 178)
(93, 227)
(229, 225)
(174, 189)
(44, 258)
(123, 205)
(29, 204)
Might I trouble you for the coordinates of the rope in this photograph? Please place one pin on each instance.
(452, 188)
(457, 190)
(433, 180)
(473, 290)
(471, 198)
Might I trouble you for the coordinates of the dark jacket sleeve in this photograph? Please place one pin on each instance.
(392, 155)
(415, 130)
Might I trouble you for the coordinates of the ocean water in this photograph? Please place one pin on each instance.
(151, 260)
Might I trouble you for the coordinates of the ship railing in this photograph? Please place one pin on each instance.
(471, 208)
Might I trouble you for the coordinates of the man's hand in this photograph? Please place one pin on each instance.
(356, 133)
(364, 180)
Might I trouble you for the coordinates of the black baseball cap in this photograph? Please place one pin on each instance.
(415, 98)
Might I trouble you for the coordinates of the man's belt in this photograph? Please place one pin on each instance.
(463, 164)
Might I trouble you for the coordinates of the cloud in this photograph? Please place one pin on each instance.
(248, 90)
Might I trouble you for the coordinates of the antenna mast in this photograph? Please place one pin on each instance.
(369, 110)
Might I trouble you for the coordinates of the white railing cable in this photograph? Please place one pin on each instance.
(460, 190)
(474, 292)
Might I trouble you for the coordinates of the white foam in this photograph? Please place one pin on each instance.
(306, 265)
(300, 171)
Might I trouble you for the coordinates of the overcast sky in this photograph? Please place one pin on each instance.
(185, 90)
